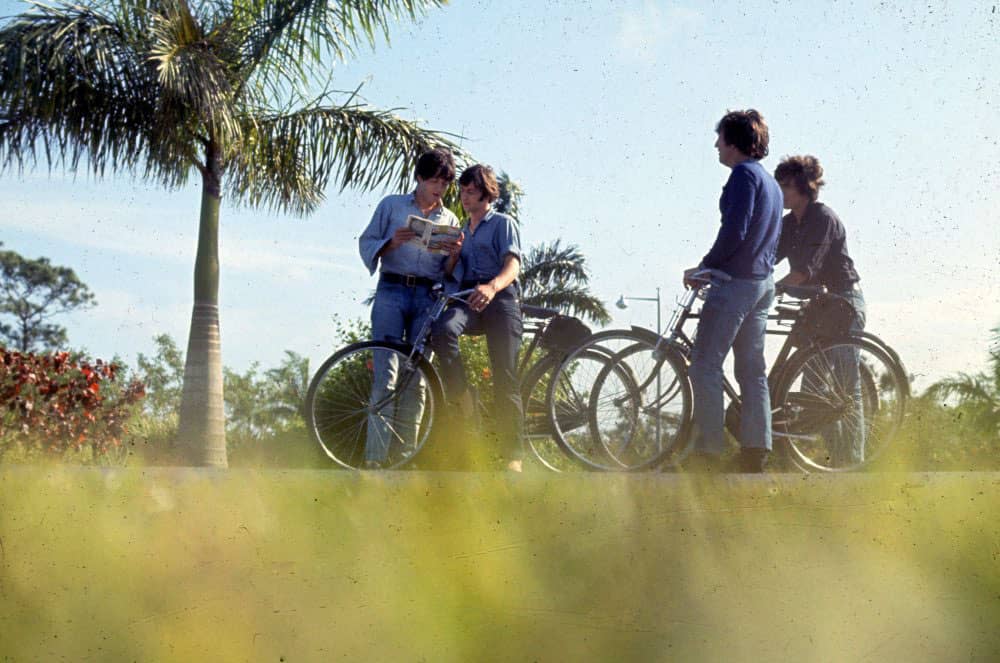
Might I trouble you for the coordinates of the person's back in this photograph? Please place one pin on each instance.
(751, 208)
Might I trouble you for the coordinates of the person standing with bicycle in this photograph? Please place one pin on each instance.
(488, 260)
(814, 241)
(403, 295)
(734, 315)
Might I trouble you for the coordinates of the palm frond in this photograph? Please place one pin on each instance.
(288, 159)
(193, 80)
(570, 300)
(556, 276)
(966, 388)
(551, 263)
(511, 193)
(72, 86)
(283, 40)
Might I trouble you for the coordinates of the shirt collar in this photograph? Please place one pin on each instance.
(413, 201)
(490, 213)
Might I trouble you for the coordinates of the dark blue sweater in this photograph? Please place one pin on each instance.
(747, 242)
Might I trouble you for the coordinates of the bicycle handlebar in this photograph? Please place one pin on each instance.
(707, 275)
(801, 291)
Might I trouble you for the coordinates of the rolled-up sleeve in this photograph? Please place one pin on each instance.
(374, 237)
(507, 240)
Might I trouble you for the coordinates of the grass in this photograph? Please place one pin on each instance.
(300, 565)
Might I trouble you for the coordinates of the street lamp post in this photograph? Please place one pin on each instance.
(622, 303)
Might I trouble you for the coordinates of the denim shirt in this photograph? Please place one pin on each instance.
(390, 215)
(484, 251)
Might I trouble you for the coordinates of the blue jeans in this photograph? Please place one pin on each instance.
(398, 313)
(501, 321)
(734, 316)
(845, 438)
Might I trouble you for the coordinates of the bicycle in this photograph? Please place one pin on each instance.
(823, 417)
(344, 413)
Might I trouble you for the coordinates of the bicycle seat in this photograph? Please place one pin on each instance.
(538, 312)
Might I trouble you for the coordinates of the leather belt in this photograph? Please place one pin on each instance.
(409, 280)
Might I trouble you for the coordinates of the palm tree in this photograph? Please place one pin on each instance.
(978, 395)
(164, 89)
(555, 276)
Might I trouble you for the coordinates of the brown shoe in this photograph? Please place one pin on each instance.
(751, 460)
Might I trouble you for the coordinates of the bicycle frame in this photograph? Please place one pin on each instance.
(419, 345)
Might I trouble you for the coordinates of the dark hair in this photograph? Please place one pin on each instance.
(746, 131)
(483, 178)
(804, 172)
(436, 163)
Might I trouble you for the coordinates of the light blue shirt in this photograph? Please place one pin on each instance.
(484, 251)
(390, 215)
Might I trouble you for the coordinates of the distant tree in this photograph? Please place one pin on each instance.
(552, 275)
(511, 194)
(978, 395)
(262, 403)
(32, 292)
(167, 89)
(289, 382)
(163, 376)
(556, 276)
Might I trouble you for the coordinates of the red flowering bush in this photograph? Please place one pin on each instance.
(57, 405)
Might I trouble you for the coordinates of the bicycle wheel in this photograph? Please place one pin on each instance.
(838, 405)
(370, 402)
(625, 404)
(538, 431)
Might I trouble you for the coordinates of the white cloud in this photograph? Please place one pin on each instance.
(157, 233)
(642, 30)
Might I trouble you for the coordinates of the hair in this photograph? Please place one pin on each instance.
(436, 163)
(802, 171)
(746, 131)
(483, 178)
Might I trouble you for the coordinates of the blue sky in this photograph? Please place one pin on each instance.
(605, 113)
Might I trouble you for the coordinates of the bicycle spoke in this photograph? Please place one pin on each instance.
(353, 419)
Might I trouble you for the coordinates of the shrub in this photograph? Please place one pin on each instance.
(56, 405)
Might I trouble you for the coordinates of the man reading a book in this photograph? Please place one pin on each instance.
(488, 261)
(403, 295)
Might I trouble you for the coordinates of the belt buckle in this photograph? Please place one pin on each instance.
(410, 280)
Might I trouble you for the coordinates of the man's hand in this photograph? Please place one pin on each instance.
(690, 281)
(454, 246)
(793, 278)
(400, 237)
(482, 296)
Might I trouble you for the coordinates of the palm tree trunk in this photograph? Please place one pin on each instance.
(202, 427)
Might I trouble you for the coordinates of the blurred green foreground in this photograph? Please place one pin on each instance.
(176, 564)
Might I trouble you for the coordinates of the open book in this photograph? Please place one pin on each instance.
(431, 236)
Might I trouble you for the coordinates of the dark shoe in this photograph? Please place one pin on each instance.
(751, 460)
(701, 462)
